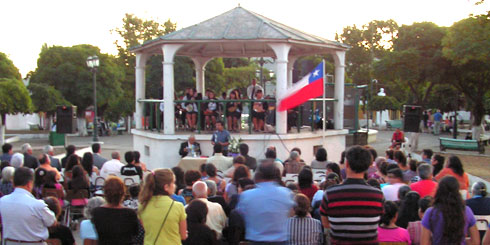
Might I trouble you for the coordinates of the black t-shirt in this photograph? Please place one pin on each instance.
(200, 234)
(63, 233)
(115, 225)
(131, 170)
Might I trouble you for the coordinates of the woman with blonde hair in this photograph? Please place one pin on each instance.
(163, 218)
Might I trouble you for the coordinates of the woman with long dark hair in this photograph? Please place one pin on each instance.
(179, 178)
(234, 111)
(88, 164)
(454, 168)
(437, 162)
(79, 180)
(409, 209)
(305, 183)
(232, 187)
(199, 232)
(449, 220)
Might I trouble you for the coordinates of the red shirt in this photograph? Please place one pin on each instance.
(398, 136)
(310, 191)
(424, 188)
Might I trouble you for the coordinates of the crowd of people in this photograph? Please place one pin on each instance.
(364, 198)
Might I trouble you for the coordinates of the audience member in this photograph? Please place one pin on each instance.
(132, 202)
(17, 160)
(98, 160)
(216, 218)
(426, 186)
(58, 231)
(4, 164)
(221, 162)
(336, 209)
(212, 173)
(409, 207)
(271, 155)
(87, 228)
(320, 161)
(221, 137)
(72, 161)
(70, 150)
(401, 160)
(302, 229)
(243, 184)
(213, 197)
(293, 164)
(45, 163)
(449, 220)
(389, 156)
(427, 155)
(29, 160)
(333, 168)
(402, 192)
(454, 168)
(88, 164)
(190, 146)
(190, 177)
(374, 183)
(388, 231)
(266, 208)
(39, 175)
(7, 187)
(164, 219)
(55, 162)
(395, 180)
(232, 187)
(23, 217)
(479, 203)
(305, 183)
(415, 228)
(79, 180)
(7, 152)
(198, 231)
(51, 182)
(137, 161)
(237, 161)
(438, 163)
(112, 167)
(249, 161)
(179, 178)
(130, 169)
(113, 212)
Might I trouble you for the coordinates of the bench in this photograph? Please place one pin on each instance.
(393, 124)
(469, 145)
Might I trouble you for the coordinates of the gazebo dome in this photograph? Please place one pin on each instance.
(240, 33)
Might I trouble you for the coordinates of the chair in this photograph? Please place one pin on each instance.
(290, 178)
(53, 241)
(99, 182)
(319, 171)
(482, 222)
(129, 180)
(74, 210)
(89, 242)
(319, 177)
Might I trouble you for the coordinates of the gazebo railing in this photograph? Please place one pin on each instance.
(153, 115)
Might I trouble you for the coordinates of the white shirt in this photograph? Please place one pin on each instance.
(221, 162)
(111, 167)
(24, 217)
(250, 89)
(216, 218)
(390, 192)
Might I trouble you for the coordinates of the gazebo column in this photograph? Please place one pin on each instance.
(141, 59)
(200, 66)
(339, 57)
(169, 51)
(291, 61)
(281, 50)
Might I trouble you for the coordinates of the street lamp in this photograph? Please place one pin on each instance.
(368, 109)
(93, 64)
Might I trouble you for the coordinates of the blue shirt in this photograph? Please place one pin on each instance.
(437, 117)
(178, 198)
(87, 230)
(266, 211)
(5, 157)
(221, 137)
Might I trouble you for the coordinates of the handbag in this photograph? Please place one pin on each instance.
(160, 230)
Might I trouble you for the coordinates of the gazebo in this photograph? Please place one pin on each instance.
(236, 33)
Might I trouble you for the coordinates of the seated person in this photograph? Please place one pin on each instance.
(397, 139)
(387, 230)
(258, 112)
(130, 169)
(210, 111)
(87, 228)
(190, 177)
(234, 111)
(58, 231)
(132, 202)
(190, 146)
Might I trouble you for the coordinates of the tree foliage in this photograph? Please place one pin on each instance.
(64, 68)
(381, 103)
(445, 97)
(46, 98)
(7, 68)
(14, 97)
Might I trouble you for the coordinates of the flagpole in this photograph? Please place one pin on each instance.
(324, 107)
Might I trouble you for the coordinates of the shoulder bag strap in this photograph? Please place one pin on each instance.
(160, 230)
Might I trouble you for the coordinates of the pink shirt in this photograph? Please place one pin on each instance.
(393, 235)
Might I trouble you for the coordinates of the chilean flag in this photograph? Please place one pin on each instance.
(310, 86)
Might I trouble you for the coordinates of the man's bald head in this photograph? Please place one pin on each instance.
(115, 155)
(200, 189)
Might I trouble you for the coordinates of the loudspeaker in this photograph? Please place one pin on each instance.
(66, 119)
(411, 119)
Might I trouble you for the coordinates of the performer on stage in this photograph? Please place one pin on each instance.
(190, 146)
(221, 136)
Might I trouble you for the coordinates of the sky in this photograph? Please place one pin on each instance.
(28, 24)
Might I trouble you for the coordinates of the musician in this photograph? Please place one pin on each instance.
(190, 146)
(210, 111)
(234, 111)
(258, 112)
(190, 108)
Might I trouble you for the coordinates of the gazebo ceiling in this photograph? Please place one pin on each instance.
(239, 33)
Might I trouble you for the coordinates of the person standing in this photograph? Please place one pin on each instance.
(252, 89)
(266, 208)
(98, 160)
(221, 136)
(437, 122)
(24, 218)
(349, 223)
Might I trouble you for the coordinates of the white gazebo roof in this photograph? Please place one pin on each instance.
(240, 33)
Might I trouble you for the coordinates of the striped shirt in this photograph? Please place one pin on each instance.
(304, 230)
(353, 209)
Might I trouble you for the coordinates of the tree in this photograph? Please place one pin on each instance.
(466, 45)
(450, 101)
(64, 68)
(14, 97)
(46, 98)
(416, 62)
(214, 76)
(381, 103)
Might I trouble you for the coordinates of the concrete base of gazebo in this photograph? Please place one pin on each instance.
(161, 150)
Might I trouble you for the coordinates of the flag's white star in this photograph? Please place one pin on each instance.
(315, 73)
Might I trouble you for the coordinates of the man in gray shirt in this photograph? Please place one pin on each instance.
(98, 160)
